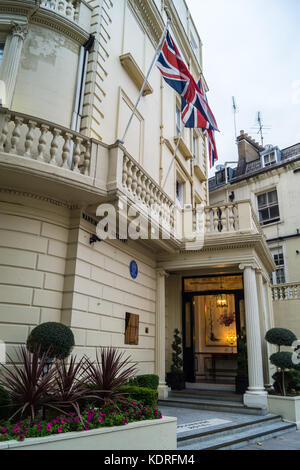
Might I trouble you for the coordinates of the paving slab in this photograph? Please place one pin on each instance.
(289, 441)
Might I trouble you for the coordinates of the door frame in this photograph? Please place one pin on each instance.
(188, 297)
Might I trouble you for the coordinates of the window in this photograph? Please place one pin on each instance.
(193, 44)
(269, 159)
(179, 193)
(178, 120)
(131, 328)
(268, 208)
(2, 44)
(278, 277)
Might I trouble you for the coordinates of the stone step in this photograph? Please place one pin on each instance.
(222, 395)
(212, 405)
(233, 437)
(213, 386)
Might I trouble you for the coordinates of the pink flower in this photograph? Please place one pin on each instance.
(100, 419)
(49, 426)
(59, 429)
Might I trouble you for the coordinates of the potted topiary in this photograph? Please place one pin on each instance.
(281, 400)
(54, 338)
(241, 379)
(175, 378)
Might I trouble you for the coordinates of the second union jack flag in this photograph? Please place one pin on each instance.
(177, 75)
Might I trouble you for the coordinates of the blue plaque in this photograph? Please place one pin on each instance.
(133, 268)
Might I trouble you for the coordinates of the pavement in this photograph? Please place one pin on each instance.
(288, 441)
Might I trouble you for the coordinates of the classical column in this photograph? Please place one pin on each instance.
(256, 394)
(264, 326)
(9, 69)
(160, 333)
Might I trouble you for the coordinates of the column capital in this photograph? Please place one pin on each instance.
(253, 265)
(19, 30)
(161, 272)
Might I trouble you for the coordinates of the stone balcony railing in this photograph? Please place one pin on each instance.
(43, 141)
(288, 291)
(69, 162)
(68, 8)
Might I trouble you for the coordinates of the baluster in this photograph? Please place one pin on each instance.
(134, 179)
(143, 186)
(124, 171)
(231, 218)
(223, 219)
(76, 11)
(77, 154)
(139, 184)
(16, 134)
(215, 218)
(61, 6)
(129, 175)
(147, 189)
(53, 4)
(29, 138)
(207, 219)
(42, 143)
(69, 9)
(54, 146)
(87, 158)
(4, 132)
(66, 150)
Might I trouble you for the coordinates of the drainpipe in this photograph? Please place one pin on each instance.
(81, 78)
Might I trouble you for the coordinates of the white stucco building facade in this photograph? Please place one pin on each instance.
(72, 71)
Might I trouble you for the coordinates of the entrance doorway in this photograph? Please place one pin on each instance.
(213, 315)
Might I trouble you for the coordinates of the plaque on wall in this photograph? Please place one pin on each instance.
(131, 328)
(133, 269)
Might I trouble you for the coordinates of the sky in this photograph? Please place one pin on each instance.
(251, 50)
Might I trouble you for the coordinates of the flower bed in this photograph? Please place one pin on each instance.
(111, 415)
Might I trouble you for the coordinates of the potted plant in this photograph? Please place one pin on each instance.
(175, 378)
(241, 379)
(284, 399)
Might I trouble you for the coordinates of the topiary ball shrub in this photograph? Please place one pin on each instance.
(56, 338)
(282, 359)
(280, 337)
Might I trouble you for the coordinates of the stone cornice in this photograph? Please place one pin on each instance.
(44, 17)
(149, 17)
(38, 197)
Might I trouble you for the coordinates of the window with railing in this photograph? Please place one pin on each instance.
(278, 276)
(268, 208)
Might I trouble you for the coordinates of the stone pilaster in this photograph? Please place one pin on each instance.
(160, 333)
(263, 326)
(256, 394)
(11, 60)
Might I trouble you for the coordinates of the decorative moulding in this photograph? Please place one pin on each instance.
(135, 73)
(199, 172)
(183, 148)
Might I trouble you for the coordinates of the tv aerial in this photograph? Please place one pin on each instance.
(260, 127)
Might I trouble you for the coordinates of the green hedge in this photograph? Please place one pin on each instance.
(145, 381)
(147, 396)
(6, 409)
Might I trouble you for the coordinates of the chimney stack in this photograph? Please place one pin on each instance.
(248, 148)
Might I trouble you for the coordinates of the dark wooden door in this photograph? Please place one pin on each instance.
(188, 339)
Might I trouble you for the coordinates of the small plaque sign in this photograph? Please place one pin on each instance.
(133, 269)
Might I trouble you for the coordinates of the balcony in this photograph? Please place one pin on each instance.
(43, 157)
(70, 16)
(288, 291)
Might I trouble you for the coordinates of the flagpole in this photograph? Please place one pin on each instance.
(146, 78)
(173, 156)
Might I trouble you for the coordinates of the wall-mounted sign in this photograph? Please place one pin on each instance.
(133, 269)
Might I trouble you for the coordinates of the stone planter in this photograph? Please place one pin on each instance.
(156, 434)
(287, 407)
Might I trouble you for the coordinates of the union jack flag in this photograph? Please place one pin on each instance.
(177, 75)
(192, 118)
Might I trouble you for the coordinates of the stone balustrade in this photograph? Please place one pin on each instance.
(221, 218)
(142, 189)
(288, 291)
(67, 8)
(45, 142)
